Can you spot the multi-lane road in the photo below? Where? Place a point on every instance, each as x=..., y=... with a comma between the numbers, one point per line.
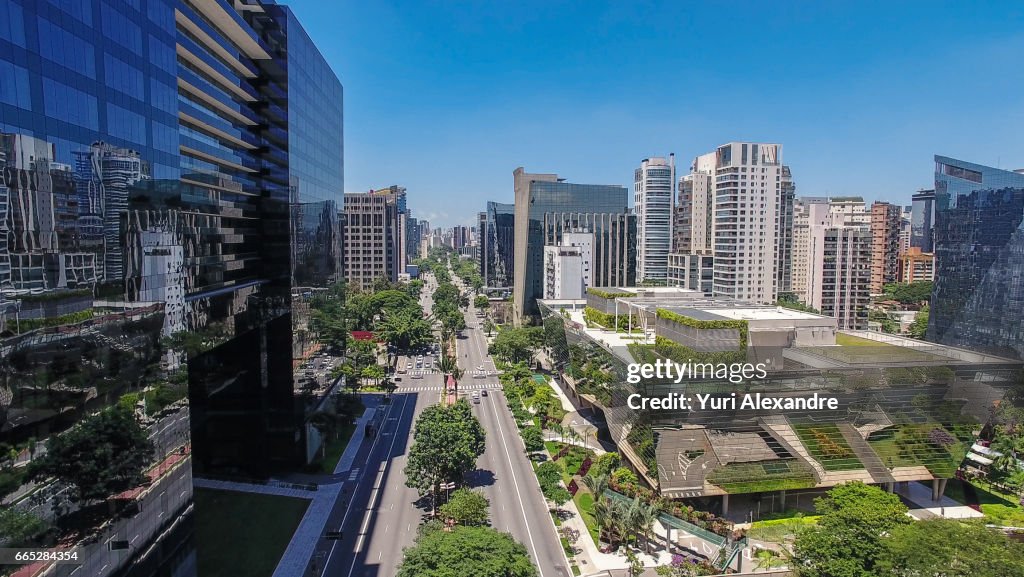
x=379, y=516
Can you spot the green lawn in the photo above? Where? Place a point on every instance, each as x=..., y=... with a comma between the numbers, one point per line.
x=332, y=454
x=846, y=340
x=780, y=530
x=827, y=445
x=999, y=509
x=585, y=503
x=243, y=533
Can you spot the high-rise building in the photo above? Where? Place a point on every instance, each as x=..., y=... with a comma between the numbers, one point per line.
x=179, y=166
x=978, y=298
x=691, y=262
x=922, y=220
x=916, y=266
x=497, y=242
x=905, y=217
x=748, y=194
x=784, y=231
x=563, y=272
x=885, y=244
x=372, y=238
x=653, y=196
x=832, y=258
x=547, y=207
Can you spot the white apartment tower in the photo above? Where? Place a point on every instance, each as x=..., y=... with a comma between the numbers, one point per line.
x=748, y=186
x=653, y=196
x=832, y=258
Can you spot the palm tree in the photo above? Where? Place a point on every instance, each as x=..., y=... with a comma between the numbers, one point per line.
x=1007, y=446
x=645, y=515
x=603, y=514
x=597, y=485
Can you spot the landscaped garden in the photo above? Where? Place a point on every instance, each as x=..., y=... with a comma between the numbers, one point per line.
x=763, y=476
x=782, y=529
x=827, y=445
x=924, y=444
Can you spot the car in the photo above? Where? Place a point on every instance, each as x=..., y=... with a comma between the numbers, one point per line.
x=480, y=367
x=483, y=393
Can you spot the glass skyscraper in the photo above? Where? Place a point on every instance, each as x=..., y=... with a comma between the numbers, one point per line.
x=497, y=239
x=177, y=165
x=545, y=208
x=978, y=298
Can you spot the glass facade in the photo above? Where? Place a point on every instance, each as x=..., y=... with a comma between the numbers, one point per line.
x=922, y=221
x=557, y=207
x=497, y=239
x=167, y=181
x=978, y=298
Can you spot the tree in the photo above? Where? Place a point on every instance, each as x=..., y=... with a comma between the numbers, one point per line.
x=950, y=547
x=466, y=552
x=466, y=507
x=919, y=328
x=790, y=301
x=488, y=326
x=446, y=444
x=548, y=473
x=533, y=439
x=19, y=528
x=102, y=455
x=596, y=483
x=847, y=542
x=1009, y=447
x=404, y=329
x=557, y=494
x=909, y=294
x=481, y=302
x=605, y=464
x=515, y=345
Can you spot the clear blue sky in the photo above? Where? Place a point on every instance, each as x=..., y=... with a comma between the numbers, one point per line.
x=447, y=98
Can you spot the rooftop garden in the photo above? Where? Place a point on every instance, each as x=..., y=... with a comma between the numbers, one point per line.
x=827, y=445
x=762, y=476
x=739, y=325
x=920, y=444
x=609, y=293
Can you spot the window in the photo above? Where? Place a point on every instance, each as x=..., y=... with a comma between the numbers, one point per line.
x=120, y=29
x=162, y=55
x=71, y=105
x=14, y=86
x=80, y=10
x=64, y=48
x=12, y=24
x=124, y=77
x=126, y=124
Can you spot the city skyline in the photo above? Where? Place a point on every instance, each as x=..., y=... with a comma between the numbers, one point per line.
x=471, y=96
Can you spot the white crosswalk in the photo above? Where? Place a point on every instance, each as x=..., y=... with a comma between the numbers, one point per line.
x=466, y=387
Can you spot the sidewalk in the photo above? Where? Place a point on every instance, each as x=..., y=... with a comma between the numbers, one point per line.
x=921, y=496
x=297, y=556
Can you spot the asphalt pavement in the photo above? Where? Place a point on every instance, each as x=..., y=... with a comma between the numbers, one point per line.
x=506, y=474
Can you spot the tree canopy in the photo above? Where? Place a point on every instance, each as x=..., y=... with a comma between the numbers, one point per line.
x=515, y=345
x=950, y=547
x=446, y=444
x=847, y=542
x=102, y=455
x=466, y=507
x=909, y=293
x=466, y=552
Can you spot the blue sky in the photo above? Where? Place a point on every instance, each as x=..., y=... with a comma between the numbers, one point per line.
x=447, y=98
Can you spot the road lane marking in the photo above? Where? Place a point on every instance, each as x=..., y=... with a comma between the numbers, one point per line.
x=515, y=483
x=369, y=509
x=348, y=509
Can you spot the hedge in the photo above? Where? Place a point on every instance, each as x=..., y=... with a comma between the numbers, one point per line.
x=741, y=326
x=682, y=353
x=609, y=295
x=592, y=315
x=25, y=325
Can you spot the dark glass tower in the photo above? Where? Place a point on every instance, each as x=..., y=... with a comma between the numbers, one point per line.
x=547, y=206
x=497, y=239
x=177, y=164
x=978, y=298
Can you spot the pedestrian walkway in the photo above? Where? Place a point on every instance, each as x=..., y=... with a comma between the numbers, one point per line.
x=467, y=387
x=921, y=495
